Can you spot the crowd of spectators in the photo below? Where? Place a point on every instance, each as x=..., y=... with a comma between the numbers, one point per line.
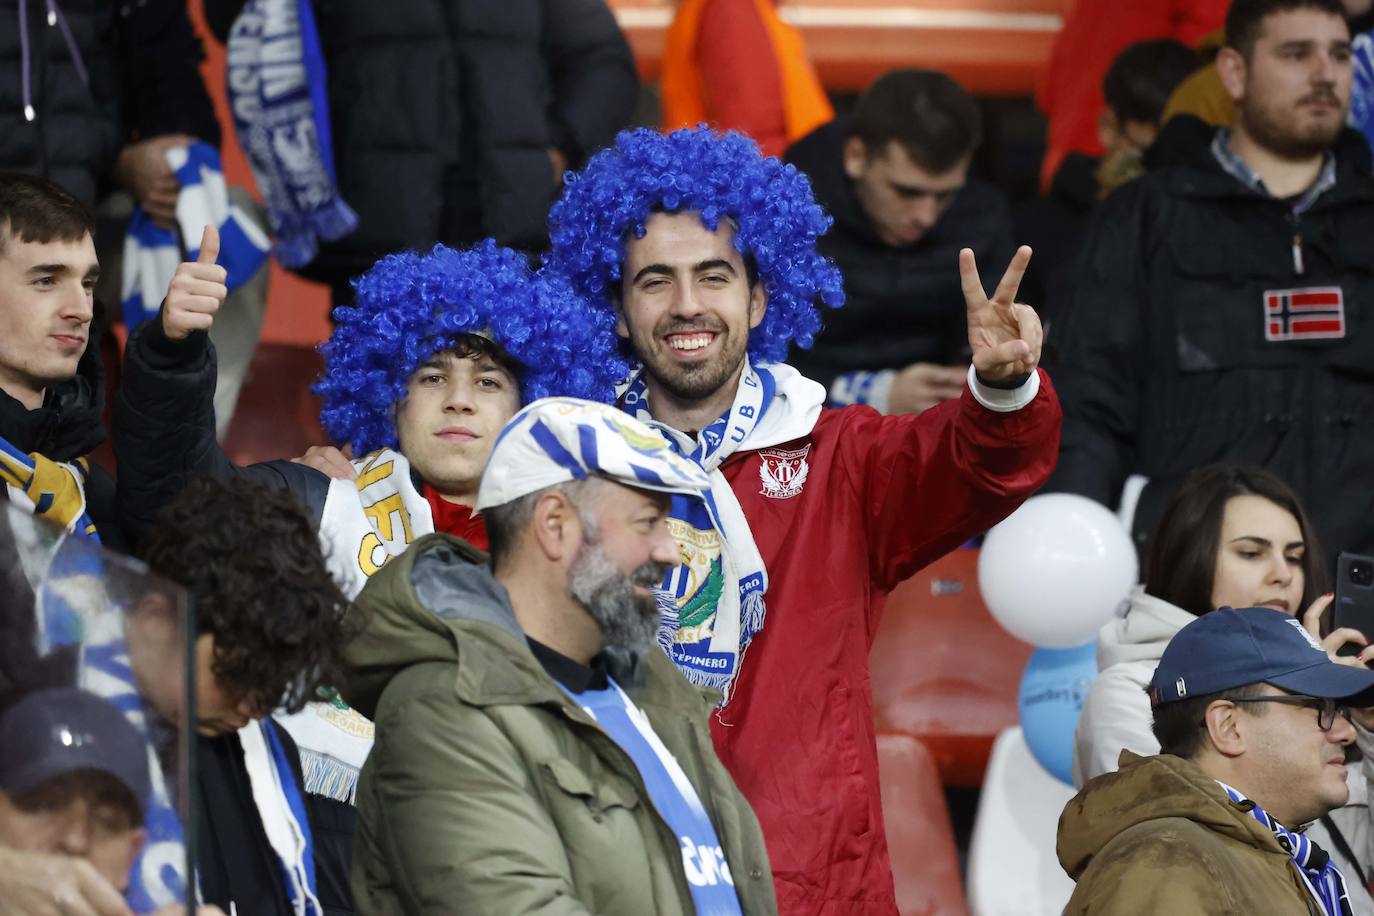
x=557, y=622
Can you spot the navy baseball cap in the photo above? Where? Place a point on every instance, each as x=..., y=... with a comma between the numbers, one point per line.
x=1231, y=648
x=50, y=733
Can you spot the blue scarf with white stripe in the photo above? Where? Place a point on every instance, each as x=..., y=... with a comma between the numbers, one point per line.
x=1324, y=880
x=277, y=93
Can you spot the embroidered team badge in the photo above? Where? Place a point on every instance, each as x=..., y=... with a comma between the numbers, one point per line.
x=1311, y=313
x=783, y=473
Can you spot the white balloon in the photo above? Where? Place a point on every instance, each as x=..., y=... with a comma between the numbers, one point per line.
x=1055, y=570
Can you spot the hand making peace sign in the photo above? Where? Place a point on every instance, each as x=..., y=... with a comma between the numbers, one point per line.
x=1004, y=335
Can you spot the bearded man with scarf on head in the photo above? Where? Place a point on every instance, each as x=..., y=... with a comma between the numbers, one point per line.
x=704, y=253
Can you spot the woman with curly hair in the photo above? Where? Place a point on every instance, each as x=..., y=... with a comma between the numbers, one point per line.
x=270, y=625
x=704, y=253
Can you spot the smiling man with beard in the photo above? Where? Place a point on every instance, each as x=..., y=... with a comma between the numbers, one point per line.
x=535, y=750
x=1222, y=310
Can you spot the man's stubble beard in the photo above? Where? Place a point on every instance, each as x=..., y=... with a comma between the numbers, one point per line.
x=690, y=383
x=628, y=621
x=1270, y=130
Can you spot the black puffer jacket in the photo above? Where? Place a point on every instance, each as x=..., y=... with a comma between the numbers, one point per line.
x=1167, y=359
x=902, y=305
x=140, y=59
x=443, y=111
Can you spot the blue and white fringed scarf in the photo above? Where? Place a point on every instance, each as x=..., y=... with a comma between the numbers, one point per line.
x=1324, y=880
x=713, y=605
x=277, y=85
x=152, y=253
x=281, y=808
x=73, y=609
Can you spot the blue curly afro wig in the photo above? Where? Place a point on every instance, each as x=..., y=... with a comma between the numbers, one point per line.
x=410, y=306
x=719, y=176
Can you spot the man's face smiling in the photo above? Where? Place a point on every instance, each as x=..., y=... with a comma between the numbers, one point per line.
x=453, y=410
x=46, y=304
x=687, y=307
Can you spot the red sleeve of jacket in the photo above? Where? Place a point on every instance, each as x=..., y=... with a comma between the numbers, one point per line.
x=932, y=481
x=740, y=75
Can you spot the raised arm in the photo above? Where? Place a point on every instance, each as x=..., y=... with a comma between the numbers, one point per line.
x=164, y=422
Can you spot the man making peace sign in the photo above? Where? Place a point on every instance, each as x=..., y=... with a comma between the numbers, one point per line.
x=705, y=253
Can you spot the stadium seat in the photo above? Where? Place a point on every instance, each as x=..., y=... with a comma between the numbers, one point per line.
x=925, y=862
x=1012, y=868
x=942, y=669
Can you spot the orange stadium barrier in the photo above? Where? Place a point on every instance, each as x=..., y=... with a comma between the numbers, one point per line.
x=944, y=671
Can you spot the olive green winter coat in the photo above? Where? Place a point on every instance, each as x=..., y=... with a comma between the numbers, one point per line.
x=1159, y=836
x=489, y=791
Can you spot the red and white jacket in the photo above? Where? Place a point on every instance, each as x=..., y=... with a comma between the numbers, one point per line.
x=881, y=498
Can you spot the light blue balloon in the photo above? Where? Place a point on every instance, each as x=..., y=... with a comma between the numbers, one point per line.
x=1053, y=689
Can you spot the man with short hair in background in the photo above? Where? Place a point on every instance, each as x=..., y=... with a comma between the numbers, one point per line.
x=1223, y=306
x=895, y=177
x=1253, y=722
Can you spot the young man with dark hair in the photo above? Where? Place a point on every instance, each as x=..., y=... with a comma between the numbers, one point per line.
x=895, y=177
x=1253, y=721
x=1220, y=310
x=51, y=384
x=270, y=627
x=536, y=751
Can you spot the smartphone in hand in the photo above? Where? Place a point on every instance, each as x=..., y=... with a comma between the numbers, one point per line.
x=1354, y=597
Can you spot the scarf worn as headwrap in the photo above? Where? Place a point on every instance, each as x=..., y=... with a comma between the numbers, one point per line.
x=1324, y=880
x=712, y=606
x=277, y=89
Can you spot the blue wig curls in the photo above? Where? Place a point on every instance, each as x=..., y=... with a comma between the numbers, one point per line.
x=410, y=306
x=720, y=176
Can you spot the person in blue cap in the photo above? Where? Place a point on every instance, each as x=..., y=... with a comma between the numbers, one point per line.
x=536, y=751
x=1253, y=719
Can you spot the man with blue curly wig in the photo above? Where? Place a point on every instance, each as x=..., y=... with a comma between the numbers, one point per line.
x=439, y=351
x=704, y=253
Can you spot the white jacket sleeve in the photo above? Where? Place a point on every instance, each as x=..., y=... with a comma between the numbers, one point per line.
x=1115, y=716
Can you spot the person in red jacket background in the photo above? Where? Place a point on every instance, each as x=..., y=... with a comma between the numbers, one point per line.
x=737, y=65
x=1094, y=33
x=705, y=253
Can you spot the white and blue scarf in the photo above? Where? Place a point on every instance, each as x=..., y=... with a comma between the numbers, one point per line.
x=713, y=604
x=152, y=253
x=281, y=808
x=277, y=94
x=1324, y=880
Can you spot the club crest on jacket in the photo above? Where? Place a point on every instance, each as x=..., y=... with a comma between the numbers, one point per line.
x=783, y=473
